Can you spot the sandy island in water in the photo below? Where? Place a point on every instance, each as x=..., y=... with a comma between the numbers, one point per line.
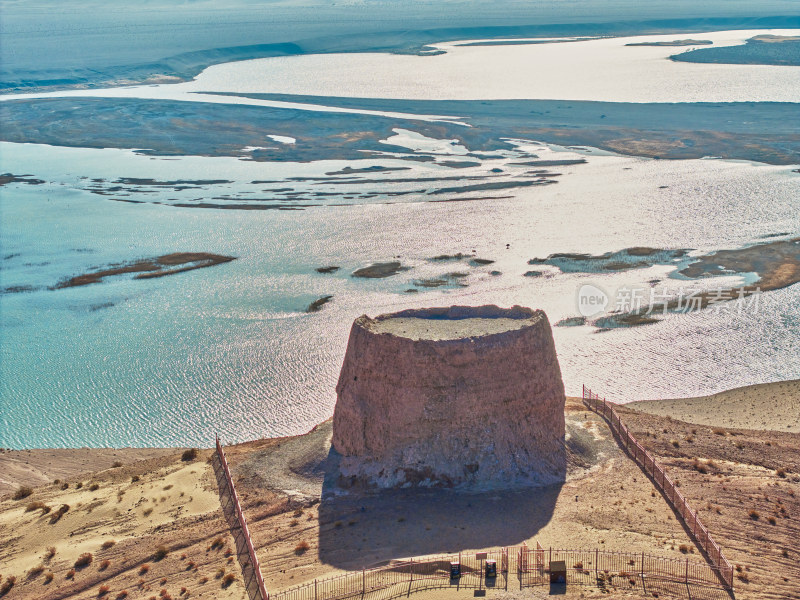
x=160, y=266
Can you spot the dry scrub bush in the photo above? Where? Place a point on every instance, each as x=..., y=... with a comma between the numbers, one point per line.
x=218, y=543
x=144, y=569
x=301, y=548
x=35, y=571
x=103, y=590
x=84, y=560
x=189, y=454
x=70, y=574
x=108, y=544
x=228, y=579
x=160, y=553
x=6, y=586
x=37, y=505
x=104, y=565
x=56, y=517
x=49, y=577
x=22, y=492
x=94, y=487
x=753, y=514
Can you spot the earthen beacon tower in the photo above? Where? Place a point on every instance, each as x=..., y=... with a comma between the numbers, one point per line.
x=451, y=396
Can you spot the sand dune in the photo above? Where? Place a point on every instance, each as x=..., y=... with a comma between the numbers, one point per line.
x=764, y=407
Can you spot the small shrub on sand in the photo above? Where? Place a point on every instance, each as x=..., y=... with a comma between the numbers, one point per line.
x=48, y=577
x=79, y=485
x=7, y=584
x=684, y=548
x=104, y=565
x=65, y=486
x=719, y=431
x=56, y=516
x=771, y=520
x=135, y=478
x=160, y=553
x=781, y=473
x=103, y=590
x=84, y=560
x=37, y=505
x=162, y=581
x=94, y=487
x=294, y=523
x=578, y=565
x=147, y=512
x=228, y=579
x=22, y=492
x=117, y=464
x=122, y=594
x=144, y=569
x=203, y=580
x=190, y=454
x=298, y=513
x=218, y=543
x=51, y=552
x=35, y=571
x=108, y=544
x=220, y=573
x=301, y=548
x=753, y=514
x=675, y=443
x=70, y=574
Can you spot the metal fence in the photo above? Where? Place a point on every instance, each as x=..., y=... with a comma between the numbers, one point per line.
x=251, y=570
x=663, y=482
x=521, y=566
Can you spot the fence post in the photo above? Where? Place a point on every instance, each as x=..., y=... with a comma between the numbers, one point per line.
x=596, y=562
x=411, y=570
x=687, y=570
x=363, y=581
x=315, y=589
x=642, y=565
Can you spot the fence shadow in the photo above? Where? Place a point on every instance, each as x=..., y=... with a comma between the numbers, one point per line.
x=419, y=521
x=228, y=510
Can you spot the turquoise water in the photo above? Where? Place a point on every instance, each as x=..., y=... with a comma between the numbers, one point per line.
x=230, y=350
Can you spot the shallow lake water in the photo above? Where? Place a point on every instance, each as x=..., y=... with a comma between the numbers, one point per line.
x=229, y=349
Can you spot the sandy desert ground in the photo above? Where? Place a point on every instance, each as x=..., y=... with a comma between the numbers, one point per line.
x=163, y=513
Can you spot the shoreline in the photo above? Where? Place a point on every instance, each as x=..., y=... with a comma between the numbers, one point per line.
x=775, y=403
x=185, y=66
